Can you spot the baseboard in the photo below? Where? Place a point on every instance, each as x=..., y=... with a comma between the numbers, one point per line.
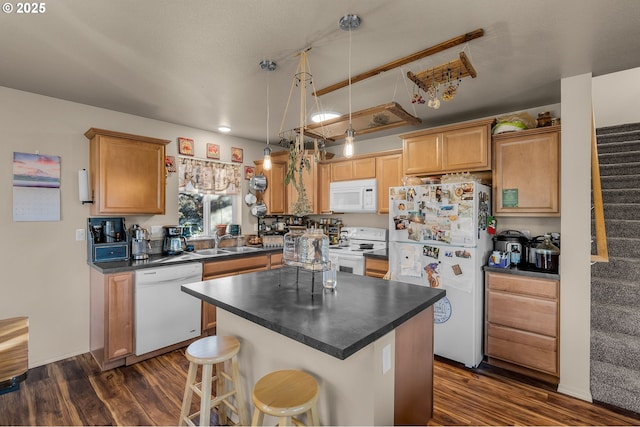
x=574, y=392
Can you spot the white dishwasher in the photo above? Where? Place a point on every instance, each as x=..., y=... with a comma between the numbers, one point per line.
x=164, y=315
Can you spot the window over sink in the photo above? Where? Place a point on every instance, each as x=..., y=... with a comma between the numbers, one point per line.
x=208, y=194
x=203, y=212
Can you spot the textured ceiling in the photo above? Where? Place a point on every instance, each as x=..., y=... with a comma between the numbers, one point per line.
x=196, y=62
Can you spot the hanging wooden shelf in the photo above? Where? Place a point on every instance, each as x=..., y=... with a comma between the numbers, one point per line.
x=451, y=71
x=374, y=119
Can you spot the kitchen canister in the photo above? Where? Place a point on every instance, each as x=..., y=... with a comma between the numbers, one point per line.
x=290, y=253
x=313, y=249
x=547, y=255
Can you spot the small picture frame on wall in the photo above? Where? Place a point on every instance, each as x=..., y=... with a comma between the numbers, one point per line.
x=213, y=151
x=236, y=155
x=249, y=172
x=170, y=164
x=185, y=146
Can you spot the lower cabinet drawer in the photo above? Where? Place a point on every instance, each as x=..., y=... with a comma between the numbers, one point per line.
x=375, y=267
x=535, y=287
x=238, y=265
x=276, y=260
x=523, y=312
x=523, y=348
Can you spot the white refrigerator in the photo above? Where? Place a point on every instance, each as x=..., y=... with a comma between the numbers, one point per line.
x=438, y=237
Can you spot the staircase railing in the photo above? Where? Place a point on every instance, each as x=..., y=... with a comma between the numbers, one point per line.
x=602, y=253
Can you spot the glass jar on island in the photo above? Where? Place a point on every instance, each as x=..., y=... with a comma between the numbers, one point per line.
x=313, y=249
x=290, y=253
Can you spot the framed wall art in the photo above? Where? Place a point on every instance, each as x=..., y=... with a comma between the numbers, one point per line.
x=185, y=146
x=249, y=172
x=213, y=151
x=170, y=164
x=236, y=155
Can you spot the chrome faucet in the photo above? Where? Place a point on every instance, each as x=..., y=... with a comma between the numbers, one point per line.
x=218, y=238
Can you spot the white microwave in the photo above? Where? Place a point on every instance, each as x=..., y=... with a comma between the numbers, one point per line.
x=354, y=196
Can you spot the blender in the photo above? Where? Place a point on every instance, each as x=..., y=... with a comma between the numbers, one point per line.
x=139, y=243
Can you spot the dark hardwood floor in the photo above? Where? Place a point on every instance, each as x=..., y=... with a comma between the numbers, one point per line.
x=74, y=392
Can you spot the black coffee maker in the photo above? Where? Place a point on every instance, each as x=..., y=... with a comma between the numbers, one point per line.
x=174, y=242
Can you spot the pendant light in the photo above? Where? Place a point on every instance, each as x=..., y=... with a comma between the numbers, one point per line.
x=348, y=23
x=267, y=65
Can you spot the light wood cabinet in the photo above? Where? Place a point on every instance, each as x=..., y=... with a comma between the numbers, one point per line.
x=275, y=197
x=111, y=329
x=388, y=174
x=375, y=267
x=456, y=148
x=225, y=268
x=522, y=325
x=127, y=173
x=324, y=181
x=275, y=260
x=526, y=173
x=347, y=170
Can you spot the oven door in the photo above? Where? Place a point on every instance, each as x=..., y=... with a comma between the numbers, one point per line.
x=349, y=263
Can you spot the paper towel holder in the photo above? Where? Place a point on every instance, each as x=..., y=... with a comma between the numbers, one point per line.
x=83, y=187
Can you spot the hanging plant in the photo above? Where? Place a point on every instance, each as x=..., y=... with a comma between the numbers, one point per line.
x=297, y=164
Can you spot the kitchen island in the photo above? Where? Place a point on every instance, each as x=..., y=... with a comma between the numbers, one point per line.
x=369, y=343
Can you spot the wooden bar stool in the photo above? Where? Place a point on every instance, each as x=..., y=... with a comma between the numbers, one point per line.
x=285, y=394
x=209, y=352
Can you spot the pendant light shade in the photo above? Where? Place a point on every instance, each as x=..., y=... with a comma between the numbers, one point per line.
x=266, y=164
x=348, y=23
x=267, y=65
x=348, y=143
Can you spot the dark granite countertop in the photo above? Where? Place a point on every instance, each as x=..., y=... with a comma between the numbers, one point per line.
x=524, y=271
x=165, y=260
x=339, y=323
x=380, y=253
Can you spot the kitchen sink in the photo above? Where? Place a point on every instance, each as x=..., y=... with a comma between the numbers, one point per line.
x=237, y=249
x=211, y=252
x=183, y=257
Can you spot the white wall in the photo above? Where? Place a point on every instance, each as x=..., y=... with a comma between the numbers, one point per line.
x=575, y=271
x=45, y=274
x=615, y=98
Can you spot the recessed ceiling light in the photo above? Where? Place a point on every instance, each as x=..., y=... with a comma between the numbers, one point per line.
x=224, y=129
x=323, y=116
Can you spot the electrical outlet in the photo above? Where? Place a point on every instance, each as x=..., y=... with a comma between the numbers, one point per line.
x=80, y=234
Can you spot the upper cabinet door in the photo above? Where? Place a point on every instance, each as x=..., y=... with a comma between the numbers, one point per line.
x=274, y=196
x=127, y=173
x=526, y=173
x=389, y=174
x=466, y=149
x=364, y=168
x=347, y=170
x=455, y=148
x=342, y=171
x=324, y=178
x=422, y=154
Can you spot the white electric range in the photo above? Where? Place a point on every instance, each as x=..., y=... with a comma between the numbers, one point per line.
x=350, y=257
